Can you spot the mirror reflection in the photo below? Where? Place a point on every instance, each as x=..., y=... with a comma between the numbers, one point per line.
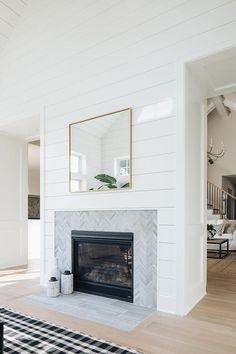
x=100, y=153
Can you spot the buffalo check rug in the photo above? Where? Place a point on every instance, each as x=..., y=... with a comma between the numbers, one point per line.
x=24, y=334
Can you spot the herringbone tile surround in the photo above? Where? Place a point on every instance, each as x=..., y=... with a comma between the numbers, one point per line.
x=143, y=223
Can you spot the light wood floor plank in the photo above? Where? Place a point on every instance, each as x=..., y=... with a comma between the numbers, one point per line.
x=210, y=328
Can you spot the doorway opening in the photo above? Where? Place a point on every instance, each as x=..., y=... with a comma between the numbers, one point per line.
x=34, y=201
x=221, y=195
x=20, y=147
x=210, y=212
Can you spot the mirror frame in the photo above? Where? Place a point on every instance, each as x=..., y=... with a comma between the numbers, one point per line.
x=130, y=150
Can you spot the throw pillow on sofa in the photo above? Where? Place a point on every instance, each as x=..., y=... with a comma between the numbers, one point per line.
x=230, y=227
x=219, y=229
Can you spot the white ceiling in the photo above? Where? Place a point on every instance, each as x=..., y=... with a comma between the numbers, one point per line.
x=216, y=74
x=27, y=129
x=230, y=101
x=10, y=12
x=223, y=104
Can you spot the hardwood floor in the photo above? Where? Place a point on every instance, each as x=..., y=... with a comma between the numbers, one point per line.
x=226, y=265
x=209, y=328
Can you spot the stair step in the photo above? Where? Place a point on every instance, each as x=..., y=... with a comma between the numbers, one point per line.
x=216, y=211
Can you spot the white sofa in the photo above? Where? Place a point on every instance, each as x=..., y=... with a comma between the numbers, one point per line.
x=228, y=231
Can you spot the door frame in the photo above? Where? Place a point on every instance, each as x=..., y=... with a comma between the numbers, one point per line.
x=42, y=195
x=183, y=306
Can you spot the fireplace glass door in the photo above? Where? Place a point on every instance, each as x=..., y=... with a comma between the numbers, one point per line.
x=103, y=263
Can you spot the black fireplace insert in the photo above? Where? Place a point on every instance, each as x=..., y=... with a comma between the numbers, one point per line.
x=102, y=263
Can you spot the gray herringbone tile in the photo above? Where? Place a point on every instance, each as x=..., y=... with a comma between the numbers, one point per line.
x=143, y=223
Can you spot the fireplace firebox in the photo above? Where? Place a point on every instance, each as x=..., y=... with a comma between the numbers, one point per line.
x=102, y=263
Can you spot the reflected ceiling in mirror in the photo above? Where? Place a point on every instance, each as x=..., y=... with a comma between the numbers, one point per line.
x=100, y=152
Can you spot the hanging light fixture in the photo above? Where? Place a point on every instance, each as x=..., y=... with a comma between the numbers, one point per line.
x=213, y=156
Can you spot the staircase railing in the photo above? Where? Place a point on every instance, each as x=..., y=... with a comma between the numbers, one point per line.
x=221, y=202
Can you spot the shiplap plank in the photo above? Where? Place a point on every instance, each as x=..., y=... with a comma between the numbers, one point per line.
x=158, y=181
x=201, y=11
x=68, y=18
x=10, y=11
x=157, y=146
x=153, y=164
x=49, y=244
x=49, y=215
x=9, y=16
x=83, y=40
x=49, y=255
x=125, y=87
x=180, y=17
x=5, y=29
x=167, y=269
x=49, y=228
x=167, y=216
x=164, y=107
x=154, y=129
x=89, y=83
x=55, y=163
x=167, y=233
x=131, y=199
x=57, y=136
x=167, y=287
x=167, y=251
x=57, y=149
x=16, y=5
x=57, y=176
x=88, y=108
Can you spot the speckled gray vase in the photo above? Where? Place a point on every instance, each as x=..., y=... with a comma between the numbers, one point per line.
x=67, y=284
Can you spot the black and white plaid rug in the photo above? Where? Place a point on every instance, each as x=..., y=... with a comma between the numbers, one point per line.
x=24, y=334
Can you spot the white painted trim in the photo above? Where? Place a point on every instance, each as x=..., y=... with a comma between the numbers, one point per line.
x=205, y=197
x=221, y=48
x=42, y=195
x=33, y=138
x=103, y=209
x=183, y=308
x=180, y=191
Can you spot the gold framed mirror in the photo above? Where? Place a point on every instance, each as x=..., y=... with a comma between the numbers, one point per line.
x=100, y=150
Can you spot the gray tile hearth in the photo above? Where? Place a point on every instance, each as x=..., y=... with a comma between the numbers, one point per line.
x=110, y=312
x=143, y=224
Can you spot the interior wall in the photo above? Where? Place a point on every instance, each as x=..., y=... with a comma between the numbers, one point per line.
x=222, y=129
x=33, y=169
x=99, y=57
x=33, y=189
x=34, y=182
x=13, y=202
x=195, y=188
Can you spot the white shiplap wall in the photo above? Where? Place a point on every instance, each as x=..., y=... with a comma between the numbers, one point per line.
x=88, y=57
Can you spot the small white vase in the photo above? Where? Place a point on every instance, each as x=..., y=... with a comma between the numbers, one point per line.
x=53, y=288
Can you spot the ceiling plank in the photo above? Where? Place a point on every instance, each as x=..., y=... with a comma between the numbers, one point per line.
x=221, y=109
x=10, y=11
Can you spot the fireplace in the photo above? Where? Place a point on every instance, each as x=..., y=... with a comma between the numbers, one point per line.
x=102, y=263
